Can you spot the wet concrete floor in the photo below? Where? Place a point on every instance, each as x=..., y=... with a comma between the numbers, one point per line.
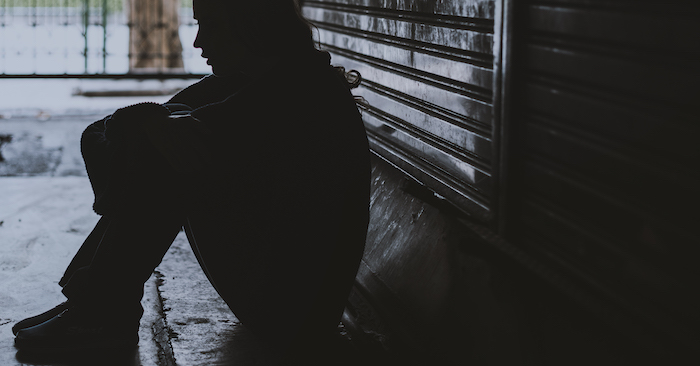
x=45, y=214
x=44, y=221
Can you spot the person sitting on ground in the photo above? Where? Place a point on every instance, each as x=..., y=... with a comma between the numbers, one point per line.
x=266, y=165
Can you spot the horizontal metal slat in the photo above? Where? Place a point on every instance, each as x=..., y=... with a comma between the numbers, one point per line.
x=567, y=238
x=473, y=143
x=595, y=260
x=404, y=80
x=460, y=120
x=656, y=79
x=484, y=9
x=626, y=176
x=625, y=224
x=657, y=26
x=474, y=43
x=410, y=55
x=420, y=146
x=663, y=134
x=454, y=191
x=476, y=24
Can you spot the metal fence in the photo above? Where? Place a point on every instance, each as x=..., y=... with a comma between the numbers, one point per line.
x=77, y=37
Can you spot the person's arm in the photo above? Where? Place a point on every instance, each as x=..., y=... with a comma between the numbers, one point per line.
x=126, y=123
x=183, y=140
x=180, y=138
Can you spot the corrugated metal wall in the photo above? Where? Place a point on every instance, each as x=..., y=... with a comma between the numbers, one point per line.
x=565, y=127
x=428, y=70
x=604, y=155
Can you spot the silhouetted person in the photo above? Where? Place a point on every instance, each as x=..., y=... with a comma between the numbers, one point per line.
x=265, y=164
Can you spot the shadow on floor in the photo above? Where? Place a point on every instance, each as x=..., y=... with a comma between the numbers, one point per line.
x=123, y=357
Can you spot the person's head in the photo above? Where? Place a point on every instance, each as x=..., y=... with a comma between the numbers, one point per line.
x=249, y=35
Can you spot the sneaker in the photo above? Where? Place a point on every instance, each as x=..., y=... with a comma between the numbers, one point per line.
x=72, y=331
x=38, y=319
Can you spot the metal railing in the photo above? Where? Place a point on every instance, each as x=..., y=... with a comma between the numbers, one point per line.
x=57, y=38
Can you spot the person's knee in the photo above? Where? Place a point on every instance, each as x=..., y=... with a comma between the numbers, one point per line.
x=93, y=135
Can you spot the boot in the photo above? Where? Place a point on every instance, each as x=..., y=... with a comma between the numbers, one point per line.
x=79, y=329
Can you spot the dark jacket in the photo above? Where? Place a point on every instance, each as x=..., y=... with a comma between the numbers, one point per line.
x=278, y=215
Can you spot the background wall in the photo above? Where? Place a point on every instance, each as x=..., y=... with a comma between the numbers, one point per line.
x=534, y=175
x=428, y=79
x=604, y=157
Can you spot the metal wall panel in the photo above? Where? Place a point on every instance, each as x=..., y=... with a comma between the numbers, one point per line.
x=428, y=76
x=604, y=154
x=567, y=128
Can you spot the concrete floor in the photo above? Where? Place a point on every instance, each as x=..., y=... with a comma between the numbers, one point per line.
x=44, y=221
x=45, y=214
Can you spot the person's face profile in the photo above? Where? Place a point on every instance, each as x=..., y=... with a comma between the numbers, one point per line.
x=220, y=41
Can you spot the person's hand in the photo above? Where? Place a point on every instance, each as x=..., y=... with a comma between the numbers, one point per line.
x=177, y=108
x=130, y=121
x=184, y=141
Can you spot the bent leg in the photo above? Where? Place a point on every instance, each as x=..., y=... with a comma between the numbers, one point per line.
x=103, y=164
x=87, y=251
x=132, y=246
x=98, y=155
x=284, y=263
x=137, y=191
x=99, y=158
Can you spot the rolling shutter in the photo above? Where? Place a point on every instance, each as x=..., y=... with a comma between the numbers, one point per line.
x=604, y=155
x=428, y=76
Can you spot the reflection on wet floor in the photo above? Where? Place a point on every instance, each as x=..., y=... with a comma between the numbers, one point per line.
x=128, y=357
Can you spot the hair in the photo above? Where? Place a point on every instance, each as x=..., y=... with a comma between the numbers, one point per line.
x=274, y=27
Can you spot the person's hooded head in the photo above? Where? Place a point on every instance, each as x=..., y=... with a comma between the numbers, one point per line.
x=249, y=35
